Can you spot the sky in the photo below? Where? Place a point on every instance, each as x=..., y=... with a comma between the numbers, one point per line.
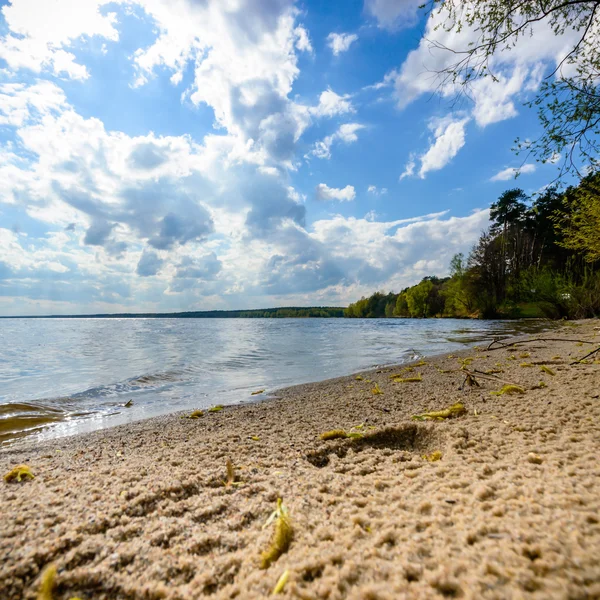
x=172, y=155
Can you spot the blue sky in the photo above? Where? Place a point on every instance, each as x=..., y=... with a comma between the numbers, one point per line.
x=160, y=155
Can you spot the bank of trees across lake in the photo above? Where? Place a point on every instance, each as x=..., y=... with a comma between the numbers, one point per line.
x=539, y=258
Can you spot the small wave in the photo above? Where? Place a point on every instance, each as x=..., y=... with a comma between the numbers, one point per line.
x=19, y=419
x=156, y=378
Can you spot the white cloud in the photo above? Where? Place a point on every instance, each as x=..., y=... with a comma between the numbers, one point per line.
x=149, y=265
x=121, y=197
x=332, y=104
x=517, y=72
x=346, y=194
x=389, y=255
x=373, y=189
x=409, y=168
x=554, y=158
x=340, y=42
x=245, y=62
x=394, y=14
x=19, y=101
x=512, y=172
x=244, y=54
x=302, y=40
x=449, y=138
x=346, y=134
x=40, y=31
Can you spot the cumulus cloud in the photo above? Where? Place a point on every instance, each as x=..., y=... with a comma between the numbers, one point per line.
x=204, y=267
x=149, y=265
x=340, y=42
x=244, y=56
x=394, y=14
x=346, y=194
x=389, y=254
x=332, y=104
x=302, y=39
x=147, y=155
x=345, y=134
x=40, y=32
x=512, y=172
x=449, y=138
x=21, y=102
x=517, y=72
x=245, y=62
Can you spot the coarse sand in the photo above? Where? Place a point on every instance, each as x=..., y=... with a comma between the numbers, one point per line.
x=510, y=510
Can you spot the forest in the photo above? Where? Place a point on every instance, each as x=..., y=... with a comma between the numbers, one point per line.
x=287, y=312
x=539, y=258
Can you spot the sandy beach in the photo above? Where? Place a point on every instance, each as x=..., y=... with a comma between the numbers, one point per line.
x=501, y=502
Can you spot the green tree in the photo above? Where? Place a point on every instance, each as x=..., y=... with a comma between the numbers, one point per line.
x=509, y=209
x=457, y=291
x=401, y=309
x=579, y=220
x=417, y=299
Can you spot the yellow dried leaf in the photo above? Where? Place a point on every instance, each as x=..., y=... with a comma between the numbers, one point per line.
x=334, y=434
x=433, y=457
x=47, y=583
x=257, y=392
x=359, y=378
x=216, y=408
x=230, y=472
x=278, y=589
x=282, y=537
x=18, y=474
x=377, y=390
x=439, y=415
x=509, y=389
x=547, y=370
x=196, y=414
x=526, y=364
x=407, y=379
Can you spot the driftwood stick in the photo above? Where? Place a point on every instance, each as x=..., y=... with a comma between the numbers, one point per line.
x=491, y=376
x=497, y=341
x=586, y=356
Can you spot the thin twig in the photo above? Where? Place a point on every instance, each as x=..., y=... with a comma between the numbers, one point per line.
x=497, y=341
x=586, y=356
x=493, y=377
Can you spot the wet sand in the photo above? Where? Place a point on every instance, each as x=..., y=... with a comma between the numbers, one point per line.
x=510, y=510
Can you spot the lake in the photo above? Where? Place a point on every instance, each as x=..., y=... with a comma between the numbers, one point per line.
x=64, y=376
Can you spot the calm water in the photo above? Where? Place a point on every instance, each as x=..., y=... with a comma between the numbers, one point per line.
x=65, y=376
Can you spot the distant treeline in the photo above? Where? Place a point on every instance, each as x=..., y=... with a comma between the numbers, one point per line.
x=539, y=258
x=261, y=313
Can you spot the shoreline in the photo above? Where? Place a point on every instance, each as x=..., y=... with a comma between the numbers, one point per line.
x=42, y=433
x=140, y=511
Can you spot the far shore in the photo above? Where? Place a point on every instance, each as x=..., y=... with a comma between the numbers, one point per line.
x=502, y=501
